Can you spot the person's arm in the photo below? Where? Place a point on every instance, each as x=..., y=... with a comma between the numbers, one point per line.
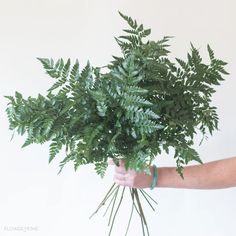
x=211, y=175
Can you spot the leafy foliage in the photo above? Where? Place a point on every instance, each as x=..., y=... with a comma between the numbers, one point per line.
x=142, y=105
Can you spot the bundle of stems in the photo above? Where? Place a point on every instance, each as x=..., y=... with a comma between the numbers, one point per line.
x=114, y=198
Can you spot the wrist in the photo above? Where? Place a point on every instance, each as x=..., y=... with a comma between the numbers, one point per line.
x=165, y=174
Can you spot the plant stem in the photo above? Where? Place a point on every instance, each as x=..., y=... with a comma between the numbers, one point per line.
x=144, y=192
x=141, y=210
x=147, y=201
x=109, y=204
x=131, y=214
x=103, y=201
x=117, y=209
x=132, y=194
x=113, y=205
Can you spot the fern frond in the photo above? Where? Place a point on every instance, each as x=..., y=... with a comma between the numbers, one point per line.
x=100, y=168
x=28, y=141
x=74, y=74
x=210, y=52
x=52, y=70
x=54, y=149
x=132, y=23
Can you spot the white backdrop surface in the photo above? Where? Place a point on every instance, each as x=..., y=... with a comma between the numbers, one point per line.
x=31, y=193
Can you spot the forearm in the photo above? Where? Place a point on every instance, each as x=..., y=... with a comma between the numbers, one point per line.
x=212, y=175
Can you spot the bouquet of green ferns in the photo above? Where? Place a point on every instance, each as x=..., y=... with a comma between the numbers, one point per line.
x=134, y=108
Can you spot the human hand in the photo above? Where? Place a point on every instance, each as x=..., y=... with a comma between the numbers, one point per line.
x=131, y=178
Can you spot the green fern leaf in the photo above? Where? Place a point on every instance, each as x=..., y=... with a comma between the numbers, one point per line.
x=54, y=148
x=100, y=168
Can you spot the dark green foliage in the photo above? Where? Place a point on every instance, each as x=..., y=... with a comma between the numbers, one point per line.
x=142, y=105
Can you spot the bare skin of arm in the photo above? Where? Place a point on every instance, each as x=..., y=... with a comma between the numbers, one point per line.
x=212, y=175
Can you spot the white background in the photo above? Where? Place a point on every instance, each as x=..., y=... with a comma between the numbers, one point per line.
x=31, y=192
